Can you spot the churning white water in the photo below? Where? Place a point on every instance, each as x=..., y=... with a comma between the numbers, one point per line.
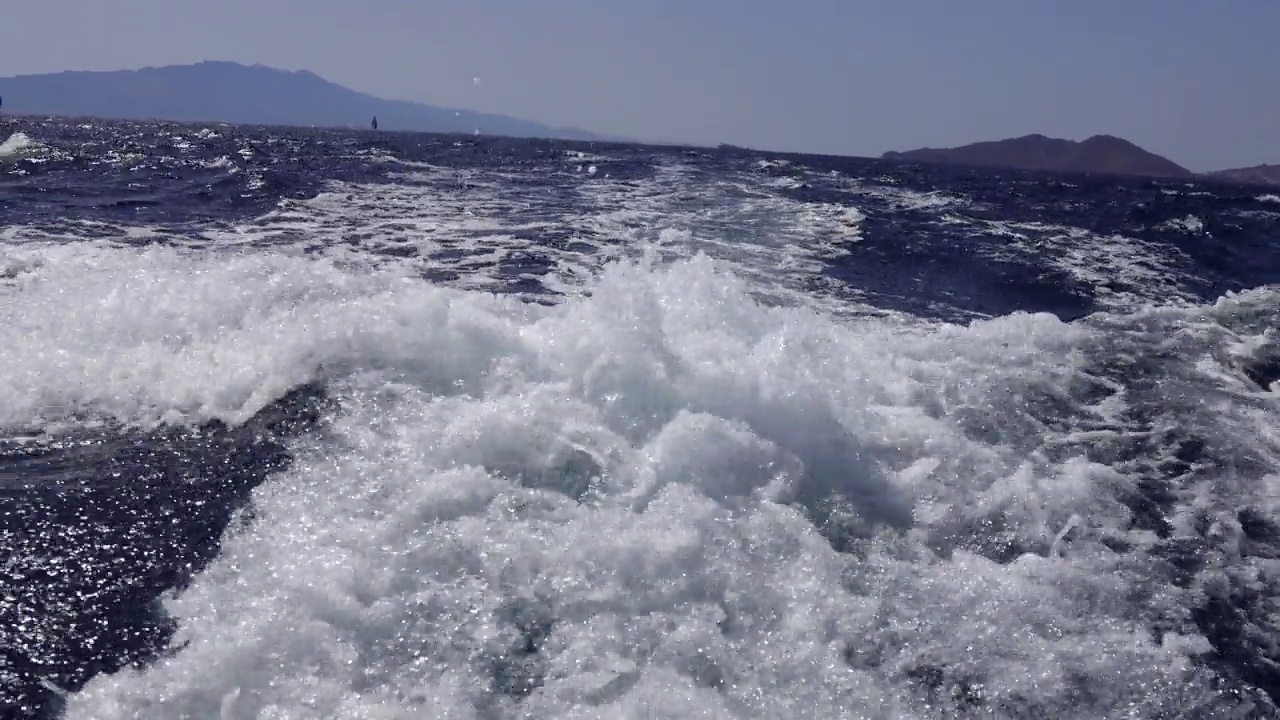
x=702, y=482
x=657, y=498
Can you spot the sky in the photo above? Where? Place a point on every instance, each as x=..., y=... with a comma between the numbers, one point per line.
x=1195, y=81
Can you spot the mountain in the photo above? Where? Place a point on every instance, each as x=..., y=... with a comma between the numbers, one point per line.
x=231, y=92
x=1255, y=175
x=1098, y=154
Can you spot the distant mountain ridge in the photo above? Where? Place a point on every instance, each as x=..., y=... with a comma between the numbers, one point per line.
x=219, y=91
x=1097, y=154
x=1255, y=175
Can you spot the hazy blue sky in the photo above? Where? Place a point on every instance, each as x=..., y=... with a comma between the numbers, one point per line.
x=1195, y=80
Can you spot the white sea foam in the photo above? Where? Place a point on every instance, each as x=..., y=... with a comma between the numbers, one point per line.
x=780, y=243
x=169, y=335
x=692, y=487
x=1125, y=271
x=1190, y=223
x=17, y=144
x=470, y=229
x=489, y=229
x=610, y=507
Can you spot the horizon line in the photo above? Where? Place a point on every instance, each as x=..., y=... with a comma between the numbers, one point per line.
x=604, y=137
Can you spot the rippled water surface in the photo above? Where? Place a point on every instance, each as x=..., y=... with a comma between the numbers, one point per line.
x=305, y=423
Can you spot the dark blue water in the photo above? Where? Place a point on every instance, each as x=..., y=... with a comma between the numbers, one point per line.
x=908, y=259
x=99, y=517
